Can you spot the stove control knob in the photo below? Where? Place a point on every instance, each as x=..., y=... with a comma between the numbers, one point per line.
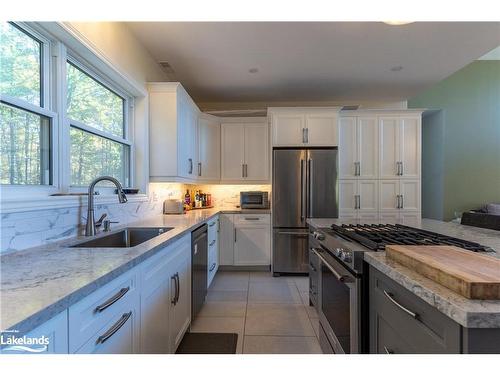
x=319, y=236
x=346, y=256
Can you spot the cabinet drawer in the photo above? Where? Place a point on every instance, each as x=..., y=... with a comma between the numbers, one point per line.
x=252, y=219
x=100, y=309
x=212, y=229
x=426, y=328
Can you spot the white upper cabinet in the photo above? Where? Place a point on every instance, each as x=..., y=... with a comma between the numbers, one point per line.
x=245, y=151
x=389, y=146
x=400, y=146
x=358, y=197
x=358, y=147
x=209, y=137
x=173, y=133
x=304, y=126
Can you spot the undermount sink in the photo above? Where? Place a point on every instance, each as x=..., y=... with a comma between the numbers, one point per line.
x=128, y=237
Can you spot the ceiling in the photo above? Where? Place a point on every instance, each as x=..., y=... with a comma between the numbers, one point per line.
x=313, y=61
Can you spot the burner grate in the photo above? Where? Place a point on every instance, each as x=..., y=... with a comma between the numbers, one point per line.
x=377, y=236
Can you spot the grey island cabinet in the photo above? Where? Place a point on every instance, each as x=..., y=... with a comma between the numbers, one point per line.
x=410, y=314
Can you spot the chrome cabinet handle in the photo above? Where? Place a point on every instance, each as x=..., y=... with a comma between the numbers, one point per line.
x=212, y=267
x=199, y=169
x=252, y=218
x=357, y=202
x=402, y=170
x=174, y=280
x=307, y=135
x=242, y=170
x=190, y=166
x=114, y=328
x=304, y=135
x=234, y=234
x=311, y=198
x=402, y=201
x=398, y=169
x=212, y=224
x=212, y=243
x=409, y=312
x=357, y=168
x=178, y=287
x=397, y=202
x=112, y=300
x=387, y=351
x=246, y=170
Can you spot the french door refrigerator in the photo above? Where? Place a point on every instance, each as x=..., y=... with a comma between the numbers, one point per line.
x=304, y=186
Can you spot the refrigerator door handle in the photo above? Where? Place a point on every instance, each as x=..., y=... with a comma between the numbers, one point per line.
x=310, y=173
x=302, y=190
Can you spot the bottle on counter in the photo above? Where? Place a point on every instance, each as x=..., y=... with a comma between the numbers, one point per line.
x=187, y=199
x=209, y=200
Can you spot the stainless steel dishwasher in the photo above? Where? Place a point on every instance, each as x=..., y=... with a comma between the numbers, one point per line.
x=199, y=252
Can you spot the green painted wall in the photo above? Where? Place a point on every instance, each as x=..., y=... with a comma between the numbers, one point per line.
x=469, y=151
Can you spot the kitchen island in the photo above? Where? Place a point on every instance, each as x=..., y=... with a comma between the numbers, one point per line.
x=475, y=324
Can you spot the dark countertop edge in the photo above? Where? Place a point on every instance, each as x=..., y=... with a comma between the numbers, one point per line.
x=34, y=320
x=470, y=319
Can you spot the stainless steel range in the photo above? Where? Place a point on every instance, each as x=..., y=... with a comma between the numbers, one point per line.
x=340, y=289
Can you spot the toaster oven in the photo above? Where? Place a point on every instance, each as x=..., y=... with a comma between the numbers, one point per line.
x=254, y=199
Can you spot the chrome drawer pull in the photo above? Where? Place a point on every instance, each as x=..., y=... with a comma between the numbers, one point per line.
x=173, y=279
x=387, y=351
x=212, y=243
x=212, y=224
x=252, y=218
x=409, y=312
x=177, y=287
x=112, y=300
x=213, y=267
x=114, y=328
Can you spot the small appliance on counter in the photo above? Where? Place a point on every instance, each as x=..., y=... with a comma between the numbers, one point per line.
x=254, y=199
x=173, y=207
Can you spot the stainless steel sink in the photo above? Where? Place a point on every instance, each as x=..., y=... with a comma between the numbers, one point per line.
x=128, y=237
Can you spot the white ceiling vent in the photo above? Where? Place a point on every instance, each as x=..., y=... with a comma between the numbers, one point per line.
x=350, y=107
x=167, y=68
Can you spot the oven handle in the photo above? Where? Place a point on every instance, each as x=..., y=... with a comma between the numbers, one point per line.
x=342, y=278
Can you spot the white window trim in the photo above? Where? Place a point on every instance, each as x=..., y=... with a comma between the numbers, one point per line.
x=57, y=38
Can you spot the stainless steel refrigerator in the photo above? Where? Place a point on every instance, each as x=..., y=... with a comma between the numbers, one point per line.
x=305, y=185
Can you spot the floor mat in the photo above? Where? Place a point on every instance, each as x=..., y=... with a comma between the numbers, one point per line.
x=208, y=343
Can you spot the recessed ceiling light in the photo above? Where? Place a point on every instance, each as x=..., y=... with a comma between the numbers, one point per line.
x=253, y=70
x=396, y=68
x=397, y=23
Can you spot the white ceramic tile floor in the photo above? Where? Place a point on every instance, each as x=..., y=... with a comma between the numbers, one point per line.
x=271, y=315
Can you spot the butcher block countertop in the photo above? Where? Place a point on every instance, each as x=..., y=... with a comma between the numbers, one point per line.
x=466, y=312
x=472, y=275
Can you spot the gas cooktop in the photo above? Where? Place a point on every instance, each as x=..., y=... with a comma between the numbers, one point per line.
x=376, y=236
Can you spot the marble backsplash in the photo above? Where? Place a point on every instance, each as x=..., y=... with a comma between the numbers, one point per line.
x=21, y=230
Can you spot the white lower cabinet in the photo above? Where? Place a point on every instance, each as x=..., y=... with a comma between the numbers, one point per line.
x=213, y=248
x=245, y=239
x=107, y=321
x=399, y=195
x=358, y=199
x=166, y=298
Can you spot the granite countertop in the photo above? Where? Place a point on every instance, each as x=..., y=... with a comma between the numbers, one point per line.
x=468, y=313
x=38, y=283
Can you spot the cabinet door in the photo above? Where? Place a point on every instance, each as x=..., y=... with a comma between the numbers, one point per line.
x=156, y=297
x=368, y=195
x=410, y=218
x=233, y=151
x=288, y=129
x=410, y=146
x=347, y=147
x=367, y=137
x=389, y=146
x=185, y=162
x=410, y=192
x=389, y=217
x=226, y=243
x=252, y=246
x=209, y=149
x=321, y=129
x=388, y=192
x=347, y=192
x=256, y=152
x=181, y=311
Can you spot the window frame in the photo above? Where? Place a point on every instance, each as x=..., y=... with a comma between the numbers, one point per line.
x=54, y=56
x=127, y=139
x=46, y=109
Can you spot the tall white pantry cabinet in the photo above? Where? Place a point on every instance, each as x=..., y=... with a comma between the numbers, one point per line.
x=380, y=165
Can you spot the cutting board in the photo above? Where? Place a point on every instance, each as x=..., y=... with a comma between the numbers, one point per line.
x=473, y=275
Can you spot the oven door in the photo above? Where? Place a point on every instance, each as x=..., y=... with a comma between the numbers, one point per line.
x=339, y=296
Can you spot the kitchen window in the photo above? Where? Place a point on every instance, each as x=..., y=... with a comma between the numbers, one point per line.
x=97, y=116
x=66, y=117
x=25, y=120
